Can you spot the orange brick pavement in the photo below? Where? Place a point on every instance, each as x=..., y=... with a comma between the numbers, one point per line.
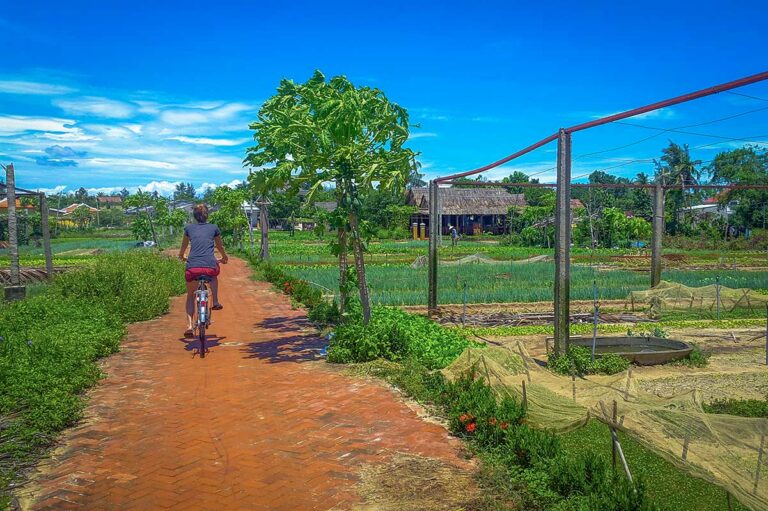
x=259, y=424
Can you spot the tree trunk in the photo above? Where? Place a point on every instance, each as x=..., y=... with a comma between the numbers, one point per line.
x=343, y=265
x=357, y=245
x=264, y=227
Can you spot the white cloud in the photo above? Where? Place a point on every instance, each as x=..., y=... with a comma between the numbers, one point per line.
x=135, y=128
x=97, y=107
x=17, y=124
x=130, y=162
x=421, y=135
x=188, y=115
x=661, y=114
x=209, y=141
x=33, y=88
x=52, y=191
x=212, y=186
x=161, y=187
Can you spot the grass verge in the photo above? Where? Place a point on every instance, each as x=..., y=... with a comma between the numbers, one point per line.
x=50, y=342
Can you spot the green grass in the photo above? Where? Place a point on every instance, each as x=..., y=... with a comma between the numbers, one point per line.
x=49, y=344
x=668, y=486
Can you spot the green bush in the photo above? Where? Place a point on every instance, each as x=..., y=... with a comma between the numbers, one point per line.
x=696, y=358
x=396, y=335
x=578, y=361
x=49, y=344
x=740, y=407
x=122, y=283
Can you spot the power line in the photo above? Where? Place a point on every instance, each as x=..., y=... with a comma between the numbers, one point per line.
x=673, y=130
x=745, y=95
x=666, y=130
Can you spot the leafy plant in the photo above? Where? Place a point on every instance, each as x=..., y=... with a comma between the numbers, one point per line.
x=396, y=335
x=578, y=360
x=696, y=358
x=740, y=407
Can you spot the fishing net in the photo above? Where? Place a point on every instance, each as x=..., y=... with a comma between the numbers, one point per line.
x=722, y=449
x=670, y=295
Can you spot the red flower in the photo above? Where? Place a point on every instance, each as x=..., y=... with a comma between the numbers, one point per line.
x=471, y=427
x=504, y=425
x=492, y=421
x=465, y=417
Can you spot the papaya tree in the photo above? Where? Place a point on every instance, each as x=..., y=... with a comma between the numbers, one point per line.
x=331, y=132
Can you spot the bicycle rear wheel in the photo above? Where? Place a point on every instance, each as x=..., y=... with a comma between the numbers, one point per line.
x=201, y=336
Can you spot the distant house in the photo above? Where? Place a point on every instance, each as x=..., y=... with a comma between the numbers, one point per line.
x=327, y=206
x=19, y=205
x=72, y=207
x=64, y=216
x=710, y=209
x=107, y=201
x=470, y=210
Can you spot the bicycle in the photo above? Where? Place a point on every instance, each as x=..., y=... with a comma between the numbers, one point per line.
x=202, y=318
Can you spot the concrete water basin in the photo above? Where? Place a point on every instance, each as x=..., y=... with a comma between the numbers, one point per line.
x=638, y=350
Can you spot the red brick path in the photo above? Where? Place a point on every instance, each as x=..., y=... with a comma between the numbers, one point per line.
x=258, y=424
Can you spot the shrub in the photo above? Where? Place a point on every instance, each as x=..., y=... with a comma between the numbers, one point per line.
x=578, y=360
x=121, y=283
x=395, y=335
x=696, y=358
x=49, y=344
x=740, y=407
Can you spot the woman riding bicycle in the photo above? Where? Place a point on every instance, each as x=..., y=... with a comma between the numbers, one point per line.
x=202, y=237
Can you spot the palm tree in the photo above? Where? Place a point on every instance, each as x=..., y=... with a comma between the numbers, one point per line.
x=677, y=168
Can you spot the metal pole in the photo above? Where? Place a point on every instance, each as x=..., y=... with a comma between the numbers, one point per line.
x=433, y=236
x=46, y=236
x=13, y=239
x=563, y=242
x=658, y=233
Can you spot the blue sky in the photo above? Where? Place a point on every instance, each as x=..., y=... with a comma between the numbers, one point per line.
x=146, y=94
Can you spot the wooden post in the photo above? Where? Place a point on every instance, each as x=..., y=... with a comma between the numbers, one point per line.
x=433, y=239
x=614, y=420
x=658, y=233
x=766, y=334
x=717, y=296
x=525, y=397
x=686, y=442
x=563, y=242
x=573, y=385
x=464, y=313
x=595, y=311
x=46, y=236
x=759, y=463
x=13, y=238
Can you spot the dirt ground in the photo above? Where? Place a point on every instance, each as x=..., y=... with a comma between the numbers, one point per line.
x=736, y=368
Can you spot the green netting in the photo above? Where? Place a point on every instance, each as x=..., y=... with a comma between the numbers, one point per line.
x=722, y=449
x=670, y=295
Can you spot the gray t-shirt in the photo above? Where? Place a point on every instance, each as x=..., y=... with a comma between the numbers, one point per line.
x=201, y=245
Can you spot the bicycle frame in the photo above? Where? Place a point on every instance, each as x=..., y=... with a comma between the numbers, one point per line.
x=203, y=309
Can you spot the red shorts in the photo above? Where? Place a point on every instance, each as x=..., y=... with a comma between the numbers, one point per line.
x=192, y=273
